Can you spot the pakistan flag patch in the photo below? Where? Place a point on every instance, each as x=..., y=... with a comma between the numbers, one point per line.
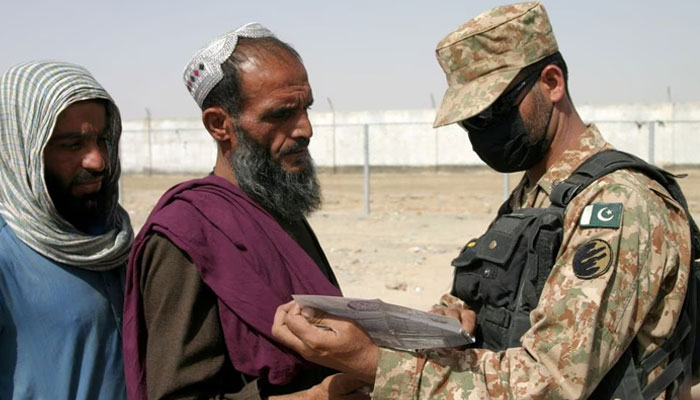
x=601, y=215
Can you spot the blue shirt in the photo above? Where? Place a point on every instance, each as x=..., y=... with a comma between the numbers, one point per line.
x=59, y=327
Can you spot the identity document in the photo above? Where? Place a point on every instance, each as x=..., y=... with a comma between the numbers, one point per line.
x=393, y=326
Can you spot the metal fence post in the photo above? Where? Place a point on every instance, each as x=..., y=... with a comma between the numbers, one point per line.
x=366, y=167
x=652, y=128
x=506, y=186
x=437, y=151
x=330, y=104
x=150, y=141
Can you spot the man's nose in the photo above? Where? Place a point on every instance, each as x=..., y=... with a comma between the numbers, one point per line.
x=94, y=159
x=303, y=127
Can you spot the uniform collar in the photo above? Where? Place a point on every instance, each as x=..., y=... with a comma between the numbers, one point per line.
x=590, y=142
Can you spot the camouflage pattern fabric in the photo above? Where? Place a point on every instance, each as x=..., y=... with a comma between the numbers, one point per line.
x=581, y=326
x=481, y=57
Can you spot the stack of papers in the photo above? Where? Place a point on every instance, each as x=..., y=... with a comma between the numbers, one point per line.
x=393, y=326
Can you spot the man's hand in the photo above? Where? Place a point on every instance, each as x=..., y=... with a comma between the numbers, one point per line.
x=335, y=342
x=465, y=316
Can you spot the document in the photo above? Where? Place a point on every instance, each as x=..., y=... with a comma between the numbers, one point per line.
x=391, y=325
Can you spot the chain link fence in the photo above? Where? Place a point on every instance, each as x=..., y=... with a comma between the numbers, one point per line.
x=184, y=147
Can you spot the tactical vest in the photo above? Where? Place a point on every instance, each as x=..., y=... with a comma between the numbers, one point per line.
x=502, y=273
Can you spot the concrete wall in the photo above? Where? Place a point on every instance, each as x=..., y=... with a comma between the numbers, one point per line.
x=406, y=138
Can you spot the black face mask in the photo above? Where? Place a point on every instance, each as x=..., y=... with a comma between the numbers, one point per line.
x=506, y=145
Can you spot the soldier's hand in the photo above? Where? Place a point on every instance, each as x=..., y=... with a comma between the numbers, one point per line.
x=335, y=342
x=464, y=315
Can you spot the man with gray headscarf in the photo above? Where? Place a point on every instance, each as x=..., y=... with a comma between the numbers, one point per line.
x=217, y=255
x=64, y=239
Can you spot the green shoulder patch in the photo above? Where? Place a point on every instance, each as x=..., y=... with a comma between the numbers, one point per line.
x=601, y=215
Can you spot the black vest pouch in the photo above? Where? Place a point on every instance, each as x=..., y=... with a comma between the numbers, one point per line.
x=500, y=275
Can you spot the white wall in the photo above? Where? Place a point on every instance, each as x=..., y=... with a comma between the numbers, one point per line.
x=406, y=138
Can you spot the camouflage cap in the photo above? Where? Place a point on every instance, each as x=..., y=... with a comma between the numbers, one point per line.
x=482, y=57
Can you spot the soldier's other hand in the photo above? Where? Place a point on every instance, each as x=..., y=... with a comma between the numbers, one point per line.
x=335, y=387
x=339, y=387
x=464, y=315
x=324, y=339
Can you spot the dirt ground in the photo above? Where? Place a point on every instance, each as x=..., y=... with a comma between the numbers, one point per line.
x=418, y=221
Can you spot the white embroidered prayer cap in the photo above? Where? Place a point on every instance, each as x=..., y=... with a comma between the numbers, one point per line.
x=203, y=72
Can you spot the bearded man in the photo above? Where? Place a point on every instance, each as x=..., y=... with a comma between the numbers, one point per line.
x=219, y=254
x=64, y=239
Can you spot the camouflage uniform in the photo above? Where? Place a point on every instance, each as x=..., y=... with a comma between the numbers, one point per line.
x=580, y=326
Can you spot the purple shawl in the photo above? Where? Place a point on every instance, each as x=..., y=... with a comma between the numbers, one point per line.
x=245, y=257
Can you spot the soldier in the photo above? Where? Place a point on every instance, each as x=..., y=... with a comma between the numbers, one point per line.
x=616, y=282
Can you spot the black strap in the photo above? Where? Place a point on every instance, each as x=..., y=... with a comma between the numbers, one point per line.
x=546, y=251
x=601, y=164
x=563, y=193
x=667, y=379
x=670, y=345
x=621, y=382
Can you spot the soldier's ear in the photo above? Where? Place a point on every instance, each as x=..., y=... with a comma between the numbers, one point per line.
x=219, y=124
x=552, y=83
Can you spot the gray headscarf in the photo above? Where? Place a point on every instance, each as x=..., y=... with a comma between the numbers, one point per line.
x=32, y=95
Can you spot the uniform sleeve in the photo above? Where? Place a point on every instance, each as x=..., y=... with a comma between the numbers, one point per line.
x=580, y=326
x=186, y=356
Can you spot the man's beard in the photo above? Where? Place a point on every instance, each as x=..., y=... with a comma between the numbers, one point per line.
x=89, y=213
x=286, y=195
x=541, y=116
